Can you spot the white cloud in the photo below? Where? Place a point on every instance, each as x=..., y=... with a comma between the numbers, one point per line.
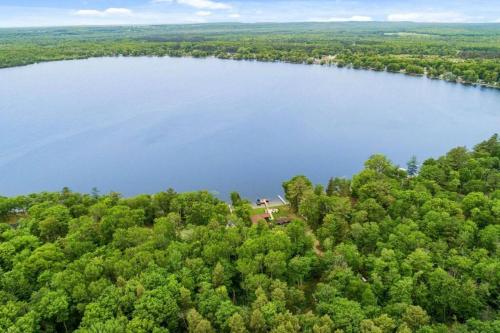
x=235, y=15
x=451, y=17
x=104, y=13
x=118, y=11
x=204, y=4
x=88, y=12
x=355, y=18
x=203, y=13
x=199, y=4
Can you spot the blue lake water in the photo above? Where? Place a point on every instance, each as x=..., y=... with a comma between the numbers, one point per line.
x=141, y=125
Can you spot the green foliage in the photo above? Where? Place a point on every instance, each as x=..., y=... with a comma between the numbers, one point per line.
x=388, y=251
x=296, y=189
x=467, y=53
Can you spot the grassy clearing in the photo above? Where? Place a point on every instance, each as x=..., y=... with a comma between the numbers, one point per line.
x=283, y=211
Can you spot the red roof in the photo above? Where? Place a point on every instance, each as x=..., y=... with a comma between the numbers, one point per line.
x=258, y=217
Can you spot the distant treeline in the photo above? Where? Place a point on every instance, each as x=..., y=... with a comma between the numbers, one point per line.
x=391, y=250
x=467, y=53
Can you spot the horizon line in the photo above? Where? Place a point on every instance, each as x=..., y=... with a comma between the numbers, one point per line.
x=245, y=23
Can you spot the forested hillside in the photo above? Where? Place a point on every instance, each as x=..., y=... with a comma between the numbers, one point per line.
x=390, y=250
x=467, y=53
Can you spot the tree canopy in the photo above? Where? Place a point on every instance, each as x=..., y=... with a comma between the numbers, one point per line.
x=389, y=250
x=465, y=53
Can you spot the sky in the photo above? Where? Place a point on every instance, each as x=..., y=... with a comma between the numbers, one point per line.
x=23, y=13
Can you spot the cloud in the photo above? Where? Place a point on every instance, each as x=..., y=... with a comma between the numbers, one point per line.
x=118, y=11
x=451, y=17
x=205, y=4
x=355, y=18
x=203, y=13
x=199, y=4
x=235, y=15
x=104, y=13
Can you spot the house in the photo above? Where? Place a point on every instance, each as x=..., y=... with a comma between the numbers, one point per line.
x=283, y=220
x=258, y=217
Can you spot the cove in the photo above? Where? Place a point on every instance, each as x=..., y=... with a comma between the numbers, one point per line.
x=141, y=125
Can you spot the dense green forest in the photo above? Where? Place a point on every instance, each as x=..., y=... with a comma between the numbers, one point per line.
x=390, y=250
x=467, y=53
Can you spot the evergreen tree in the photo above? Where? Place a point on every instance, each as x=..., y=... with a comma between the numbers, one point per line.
x=412, y=166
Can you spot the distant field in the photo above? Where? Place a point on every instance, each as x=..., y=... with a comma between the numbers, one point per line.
x=407, y=34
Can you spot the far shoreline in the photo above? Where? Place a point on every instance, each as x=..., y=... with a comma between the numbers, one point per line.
x=315, y=62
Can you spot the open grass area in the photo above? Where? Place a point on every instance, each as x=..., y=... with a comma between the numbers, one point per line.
x=283, y=210
x=12, y=219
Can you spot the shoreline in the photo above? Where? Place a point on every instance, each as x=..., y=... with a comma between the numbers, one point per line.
x=315, y=61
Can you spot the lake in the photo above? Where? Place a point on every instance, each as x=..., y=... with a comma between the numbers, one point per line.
x=142, y=125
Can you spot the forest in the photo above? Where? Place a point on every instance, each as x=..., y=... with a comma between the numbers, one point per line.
x=464, y=53
x=392, y=249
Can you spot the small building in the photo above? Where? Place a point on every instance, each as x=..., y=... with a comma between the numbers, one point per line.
x=283, y=220
x=258, y=217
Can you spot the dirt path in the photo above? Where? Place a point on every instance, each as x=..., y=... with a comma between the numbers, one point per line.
x=317, y=246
